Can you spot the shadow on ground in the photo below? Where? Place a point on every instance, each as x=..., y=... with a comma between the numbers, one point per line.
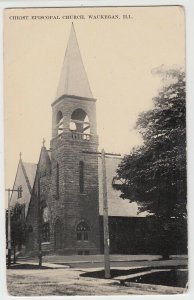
x=176, y=276
x=113, y=273
x=28, y=267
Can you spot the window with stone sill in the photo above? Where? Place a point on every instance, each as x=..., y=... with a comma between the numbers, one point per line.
x=83, y=230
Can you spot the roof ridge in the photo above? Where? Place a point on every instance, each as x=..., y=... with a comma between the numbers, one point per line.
x=26, y=177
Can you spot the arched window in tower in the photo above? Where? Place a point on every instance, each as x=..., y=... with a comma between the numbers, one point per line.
x=57, y=181
x=81, y=176
x=83, y=230
x=80, y=125
x=59, y=122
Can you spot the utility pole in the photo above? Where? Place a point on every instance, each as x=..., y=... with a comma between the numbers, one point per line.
x=39, y=223
x=9, y=229
x=105, y=218
x=105, y=211
x=19, y=191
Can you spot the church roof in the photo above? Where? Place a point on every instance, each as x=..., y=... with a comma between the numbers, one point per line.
x=73, y=80
x=31, y=172
x=45, y=158
x=25, y=177
x=116, y=205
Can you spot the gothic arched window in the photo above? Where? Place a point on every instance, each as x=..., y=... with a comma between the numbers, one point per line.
x=45, y=224
x=59, y=122
x=80, y=122
x=57, y=181
x=83, y=230
x=81, y=176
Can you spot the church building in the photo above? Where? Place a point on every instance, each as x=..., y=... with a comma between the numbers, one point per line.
x=62, y=193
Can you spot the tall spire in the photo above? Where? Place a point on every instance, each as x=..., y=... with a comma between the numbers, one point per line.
x=73, y=80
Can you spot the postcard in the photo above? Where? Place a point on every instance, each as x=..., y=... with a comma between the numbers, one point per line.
x=95, y=151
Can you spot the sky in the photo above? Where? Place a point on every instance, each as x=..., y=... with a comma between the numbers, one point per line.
x=118, y=54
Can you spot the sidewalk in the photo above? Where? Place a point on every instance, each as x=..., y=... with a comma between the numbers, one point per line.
x=74, y=259
x=45, y=264
x=96, y=262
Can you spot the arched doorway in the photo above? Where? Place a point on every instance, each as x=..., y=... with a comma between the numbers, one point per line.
x=58, y=235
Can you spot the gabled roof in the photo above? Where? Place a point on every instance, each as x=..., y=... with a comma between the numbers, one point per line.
x=73, y=80
x=25, y=177
x=26, y=173
x=116, y=205
x=30, y=171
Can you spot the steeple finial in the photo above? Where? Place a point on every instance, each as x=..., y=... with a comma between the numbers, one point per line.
x=20, y=155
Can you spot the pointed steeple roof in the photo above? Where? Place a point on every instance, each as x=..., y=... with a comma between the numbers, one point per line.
x=73, y=80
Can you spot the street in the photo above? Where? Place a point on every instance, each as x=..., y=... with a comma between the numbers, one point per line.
x=65, y=279
x=62, y=282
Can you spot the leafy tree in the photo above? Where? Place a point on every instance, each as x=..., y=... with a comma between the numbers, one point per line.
x=18, y=227
x=154, y=174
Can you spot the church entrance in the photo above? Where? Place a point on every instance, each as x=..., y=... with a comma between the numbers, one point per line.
x=58, y=235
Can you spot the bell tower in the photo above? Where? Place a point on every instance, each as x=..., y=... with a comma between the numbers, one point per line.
x=74, y=183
